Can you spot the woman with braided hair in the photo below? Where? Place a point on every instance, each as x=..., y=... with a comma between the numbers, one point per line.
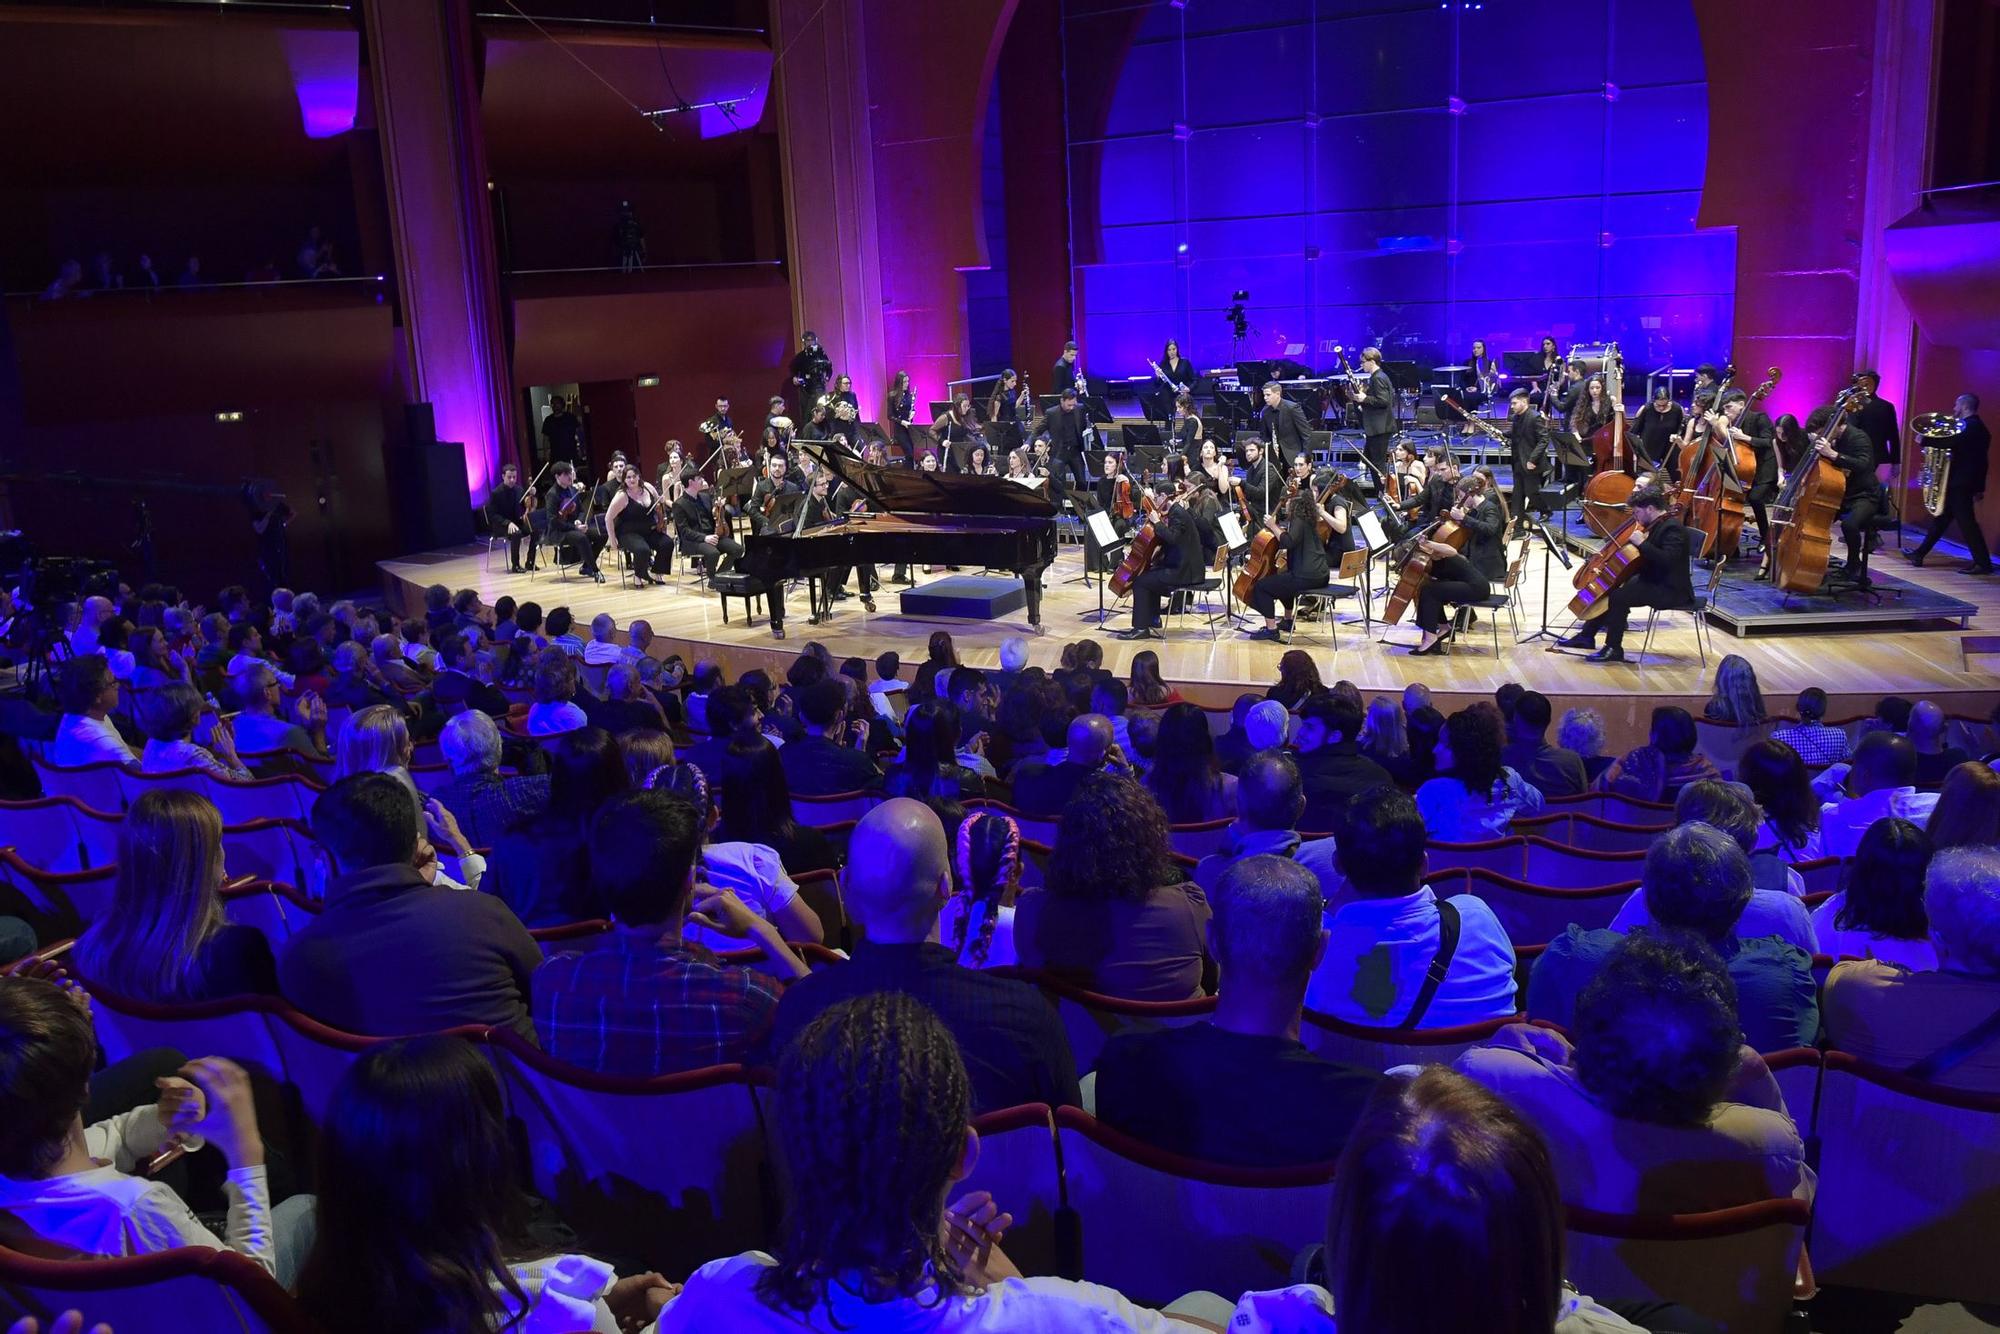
x=986, y=866
x=873, y=1111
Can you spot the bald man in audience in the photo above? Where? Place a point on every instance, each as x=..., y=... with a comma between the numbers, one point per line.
x=897, y=881
x=1042, y=788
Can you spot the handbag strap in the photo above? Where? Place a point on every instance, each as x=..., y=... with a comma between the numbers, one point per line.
x=1957, y=1051
x=1448, y=925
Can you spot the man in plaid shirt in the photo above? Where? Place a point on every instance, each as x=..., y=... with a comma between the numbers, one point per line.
x=641, y=1000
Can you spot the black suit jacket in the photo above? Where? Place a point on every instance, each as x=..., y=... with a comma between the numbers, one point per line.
x=1063, y=376
x=1182, y=534
x=1288, y=421
x=1666, y=558
x=490, y=700
x=818, y=767
x=1066, y=432
x=1969, y=449
x=1378, y=405
x=1528, y=441
x=694, y=521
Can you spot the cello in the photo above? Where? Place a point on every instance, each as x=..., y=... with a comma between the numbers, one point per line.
x=1416, y=566
x=1262, y=558
x=1609, y=567
x=1811, y=502
x=1145, y=547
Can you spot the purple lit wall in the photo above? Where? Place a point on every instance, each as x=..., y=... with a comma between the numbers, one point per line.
x=326, y=76
x=1411, y=174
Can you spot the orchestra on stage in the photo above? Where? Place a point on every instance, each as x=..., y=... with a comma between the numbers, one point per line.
x=1240, y=473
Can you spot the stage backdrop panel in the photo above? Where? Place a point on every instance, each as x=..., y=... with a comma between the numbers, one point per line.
x=1400, y=172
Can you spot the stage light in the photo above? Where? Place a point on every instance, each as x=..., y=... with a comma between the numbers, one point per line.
x=648, y=382
x=231, y=416
x=1181, y=249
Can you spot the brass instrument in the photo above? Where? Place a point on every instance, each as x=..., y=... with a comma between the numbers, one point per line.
x=1936, y=428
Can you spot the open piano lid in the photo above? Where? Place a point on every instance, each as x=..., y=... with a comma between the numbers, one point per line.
x=914, y=491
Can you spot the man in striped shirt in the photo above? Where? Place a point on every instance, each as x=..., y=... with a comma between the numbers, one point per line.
x=642, y=1000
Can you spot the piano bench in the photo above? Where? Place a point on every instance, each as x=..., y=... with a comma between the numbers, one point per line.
x=743, y=586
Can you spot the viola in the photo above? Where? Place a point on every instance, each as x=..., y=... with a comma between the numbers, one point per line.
x=1122, y=507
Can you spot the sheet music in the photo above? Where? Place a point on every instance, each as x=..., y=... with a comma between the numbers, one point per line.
x=1370, y=524
x=1232, y=529
x=1101, y=531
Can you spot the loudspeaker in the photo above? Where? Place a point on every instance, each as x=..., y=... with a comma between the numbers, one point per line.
x=433, y=504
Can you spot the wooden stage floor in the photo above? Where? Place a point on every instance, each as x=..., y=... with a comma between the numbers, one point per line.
x=1854, y=666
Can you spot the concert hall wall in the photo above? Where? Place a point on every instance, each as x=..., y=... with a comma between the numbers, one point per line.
x=1408, y=173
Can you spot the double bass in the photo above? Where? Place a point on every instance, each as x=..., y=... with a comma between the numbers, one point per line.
x=1805, y=511
x=1416, y=566
x=1609, y=567
x=1716, y=470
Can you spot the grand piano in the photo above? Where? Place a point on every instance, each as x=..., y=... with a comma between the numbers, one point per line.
x=918, y=518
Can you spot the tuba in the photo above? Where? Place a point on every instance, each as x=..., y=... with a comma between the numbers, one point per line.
x=1935, y=428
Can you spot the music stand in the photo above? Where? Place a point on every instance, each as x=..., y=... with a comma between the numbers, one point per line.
x=1252, y=374
x=1522, y=365
x=1144, y=445
x=1094, y=407
x=1100, y=537
x=1559, y=552
x=1236, y=545
x=1235, y=406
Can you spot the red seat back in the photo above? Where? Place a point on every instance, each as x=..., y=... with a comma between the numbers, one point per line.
x=1592, y=834
x=1018, y=1163
x=44, y=832
x=65, y=901
x=1199, y=840
x=95, y=785
x=203, y=1288
x=1553, y=866
x=278, y=910
x=1382, y=1048
x=1092, y=1019
x=1502, y=856
x=286, y=798
x=1732, y=1267
x=1534, y=914
x=832, y=807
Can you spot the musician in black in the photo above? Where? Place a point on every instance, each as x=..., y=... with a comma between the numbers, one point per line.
x=1179, y=370
x=1440, y=487
x=636, y=517
x=773, y=497
x=1528, y=446
x=1068, y=429
x=1459, y=578
x=1875, y=416
x=1707, y=380
x=1177, y=564
x=811, y=369
x=1551, y=376
x=1263, y=485
x=507, y=507
x=1847, y=447
x=1661, y=579
x=1010, y=400
x=1067, y=374
x=563, y=524
x=718, y=424
x=847, y=501
x=957, y=431
x=694, y=527
x=1285, y=427
x=1184, y=432
x=1107, y=497
x=1966, y=484
x=1378, y=409
x=1306, y=568
x=1656, y=431
x=1752, y=426
x=1590, y=409
x=902, y=412
x=818, y=425
x=603, y=493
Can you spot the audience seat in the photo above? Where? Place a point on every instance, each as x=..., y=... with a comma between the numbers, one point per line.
x=1797, y=1070
x=1614, y=807
x=833, y=807
x=431, y=778
x=274, y=908
x=1724, y=743
x=236, y=1027
x=1018, y=1163
x=1555, y=866
x=1091, y=1019
x=45, y=833
x=1821, y=875
x=1383, y=1048
x=1534, y=912
x=570, y=935
x=1591, y=833
x=1909, y=1194
x=95, y=785
x=1502, y=856
x=821, y=891
x=205, y=1289
x=135, y=785
x=1156, y=1225
x=1732, y=1267
x=1552, y=825
x=288, y=762
x=281, y=850
x=284, y=798
x=677, y=1165
x=60, y=903
x=1199, y=840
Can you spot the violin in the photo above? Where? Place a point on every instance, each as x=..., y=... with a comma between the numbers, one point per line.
x=1122, y=507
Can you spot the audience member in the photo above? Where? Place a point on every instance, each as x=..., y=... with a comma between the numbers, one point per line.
x=1581, y=732
x=266, y=727
x=1185, y=776
x=1147, y=689
x=751, y=871
x=1298, y=680
x=978, y=922
x=1268, y=724
x=1398, y=956
x=641, y=999
x=1476, y=793
x=1270, y=800
x=395, y=670
x=1233, y=746
x=1926, y=735
x=1668, y=762
x=1934, y=1025
x=169, y=716
x=389, y=953
x=870, y=1125
x=897, y=881
x=627, y=706
x=1882, y=781
x=1878, y=911
x=932, y=769
x=756, y=807
x=1967, y=814
x=1696, y=880
x=1551, y=770
x=1653, y=1106
x=456, y=678
x=1385, y=739
x=1331, y=765
x=485, y=803
x=164, y=937
x=942, y=656
x=70, y=1188
x=541, y=865
x=831, y=757
x=1044, y=787
x=1439, y=1165
x=1241, y=1089
x=555, y=690
x=1776, y=889
x=1737, y=700
x=1013, y=661
x=1115, y=916
x=1815, y=742
x=86, y=735
x=420, y=1224
x=1778, y=781
x=1505, y=696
